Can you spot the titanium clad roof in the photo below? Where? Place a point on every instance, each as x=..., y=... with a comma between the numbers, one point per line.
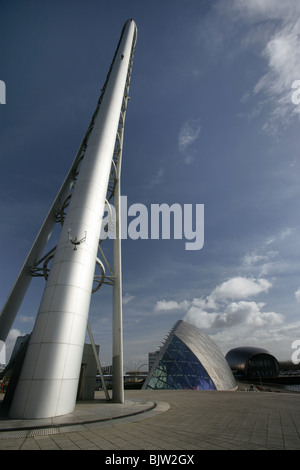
x=208, y=353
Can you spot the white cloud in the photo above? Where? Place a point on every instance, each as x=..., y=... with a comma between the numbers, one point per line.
x=277, y=339
x=200, y=318
x=10, y=342
x=252, y=259
x=188, y=134
x=283, y=57
x=229, y=316
x=249, y=313
x=240, y=288
x=258, y=10
x=234, y=314
x=205, y=303
x=157, y=178
x=225, y=305
x=171, y=305
x=297, y=295
x=280, y=48
x=127, y=298
x=285, y=233
x=263, y=263
x=26, y=319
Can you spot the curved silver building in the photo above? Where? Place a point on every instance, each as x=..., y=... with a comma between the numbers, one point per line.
x=252, y=362
x=189, y=359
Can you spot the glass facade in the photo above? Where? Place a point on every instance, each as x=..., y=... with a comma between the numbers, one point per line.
x=180, y=369
x=262, y=365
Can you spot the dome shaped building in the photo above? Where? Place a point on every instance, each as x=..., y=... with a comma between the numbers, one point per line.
x=250, y=362
x=189, y=359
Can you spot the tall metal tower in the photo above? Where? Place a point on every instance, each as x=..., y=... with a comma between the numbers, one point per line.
x=48, y=382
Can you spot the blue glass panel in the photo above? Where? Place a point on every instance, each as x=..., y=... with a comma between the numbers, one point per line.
x=180, y=369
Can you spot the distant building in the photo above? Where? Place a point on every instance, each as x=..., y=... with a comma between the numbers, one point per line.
x=107, y=370
x=250, y=363
x=20, y=341
x=151, y=358
x=189, y=359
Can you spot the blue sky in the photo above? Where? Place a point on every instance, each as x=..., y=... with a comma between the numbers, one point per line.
x=210, y=121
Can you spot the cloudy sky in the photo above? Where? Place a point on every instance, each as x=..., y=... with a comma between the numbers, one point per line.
x=213, y=119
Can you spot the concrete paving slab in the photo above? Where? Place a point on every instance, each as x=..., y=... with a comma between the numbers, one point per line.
x=166, y=420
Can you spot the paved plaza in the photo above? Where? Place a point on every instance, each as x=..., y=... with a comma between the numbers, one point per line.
x=166, y=420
